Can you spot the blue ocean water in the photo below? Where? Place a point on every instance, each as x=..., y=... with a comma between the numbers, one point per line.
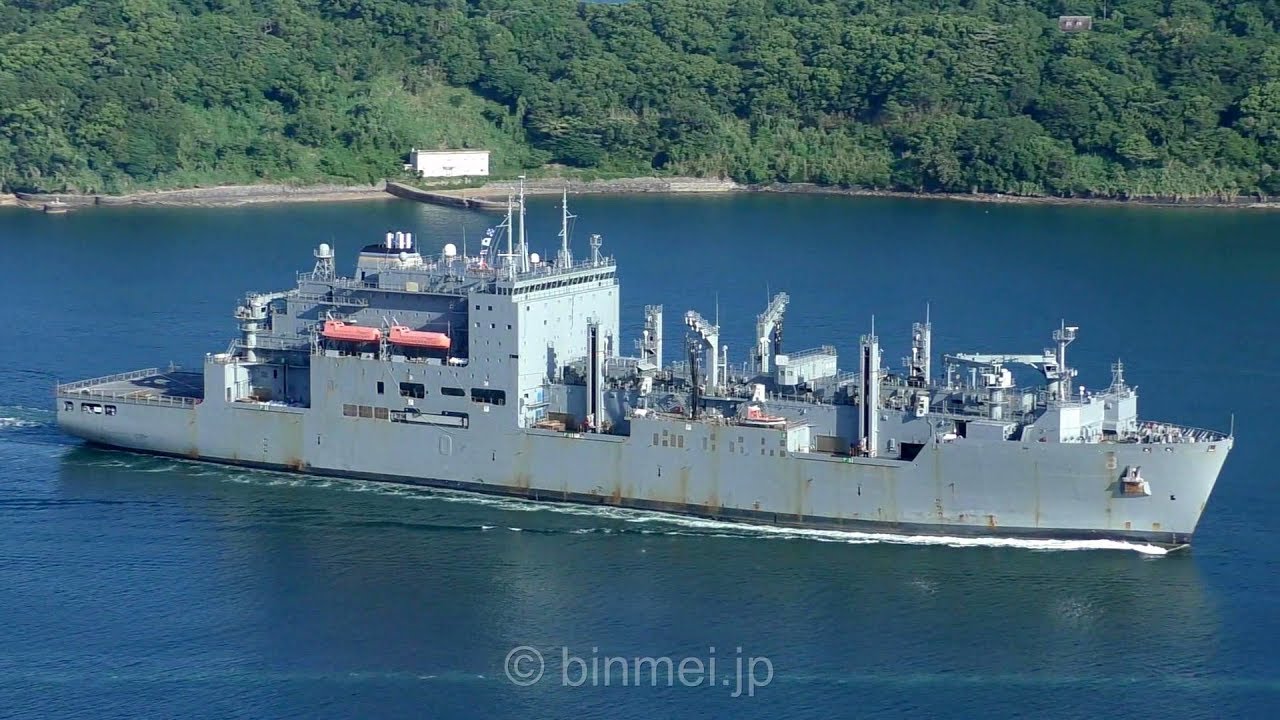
x=133, y=586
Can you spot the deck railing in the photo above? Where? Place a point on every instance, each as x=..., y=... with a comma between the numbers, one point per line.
x=118, y=377
x=86, y=389
x=172, y=400
x=1163, y=432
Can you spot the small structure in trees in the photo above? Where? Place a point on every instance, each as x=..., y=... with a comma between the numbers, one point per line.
x=448, y=163
x=1075, y=23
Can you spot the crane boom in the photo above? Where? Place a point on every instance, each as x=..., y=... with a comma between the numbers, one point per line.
x=709, y=335
x=769, y=331
x=1035, y=361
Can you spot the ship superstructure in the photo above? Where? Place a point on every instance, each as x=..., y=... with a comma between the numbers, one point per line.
x=503, y=372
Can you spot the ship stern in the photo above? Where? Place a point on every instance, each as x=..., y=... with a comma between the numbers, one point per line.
x=150, y=410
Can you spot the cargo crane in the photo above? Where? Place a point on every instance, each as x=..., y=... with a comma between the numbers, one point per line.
x=769, y=332
x=1052, y=363
x=650, y=342
x=918, y=365
x=708, y=336
x=252, y=314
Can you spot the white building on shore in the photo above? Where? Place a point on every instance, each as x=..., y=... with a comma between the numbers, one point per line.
x=448, y=163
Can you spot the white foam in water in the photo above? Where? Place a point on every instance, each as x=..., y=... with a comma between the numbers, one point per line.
x=862, y=538
x=13, y=422
x=735, y=529
x=168, y=467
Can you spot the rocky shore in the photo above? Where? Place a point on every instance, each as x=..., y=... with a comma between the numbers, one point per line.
x=1193, y=202
x=220, y=196
x=713, y=185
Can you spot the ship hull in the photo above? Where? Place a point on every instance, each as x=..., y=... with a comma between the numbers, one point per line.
x=728, y=473
x=744, y=516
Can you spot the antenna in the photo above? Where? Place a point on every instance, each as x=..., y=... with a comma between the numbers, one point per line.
x=524, y=247
x=510, y=256
x=565, y=259
x=1117, y=375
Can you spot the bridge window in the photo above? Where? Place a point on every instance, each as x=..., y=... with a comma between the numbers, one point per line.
x=68, y=405
x=111, y=409
x=453, y=392
x=380, y=387
x=488, y=396
x=410, y=390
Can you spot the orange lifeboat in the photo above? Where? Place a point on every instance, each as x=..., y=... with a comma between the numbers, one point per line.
x=401, y=335
x=338, y=330
x=757, y=418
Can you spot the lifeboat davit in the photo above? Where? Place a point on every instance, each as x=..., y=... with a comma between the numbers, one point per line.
x=338, y=330
x=401, y=335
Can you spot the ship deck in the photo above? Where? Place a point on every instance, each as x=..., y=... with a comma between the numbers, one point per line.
x=183, y=387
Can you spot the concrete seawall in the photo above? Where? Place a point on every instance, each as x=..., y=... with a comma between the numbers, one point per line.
x=454, y=198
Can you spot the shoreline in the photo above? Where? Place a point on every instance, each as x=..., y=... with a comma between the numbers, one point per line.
x=215, y=196
x=239, y=195
x=1271, y=203
x=692, y=185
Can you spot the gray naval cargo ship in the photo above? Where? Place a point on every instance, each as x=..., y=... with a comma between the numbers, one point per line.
x=504, y=373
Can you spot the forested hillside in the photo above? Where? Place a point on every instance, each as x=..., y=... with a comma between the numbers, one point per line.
x=1162, y=97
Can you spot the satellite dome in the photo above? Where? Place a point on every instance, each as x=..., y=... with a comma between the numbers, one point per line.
x=533, y=258
x=450, y=250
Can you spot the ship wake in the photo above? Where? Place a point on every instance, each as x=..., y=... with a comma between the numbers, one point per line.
x=21, y=428
x=866, y=538
x=17, y=417
x=648, y=522
x=685, y=525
